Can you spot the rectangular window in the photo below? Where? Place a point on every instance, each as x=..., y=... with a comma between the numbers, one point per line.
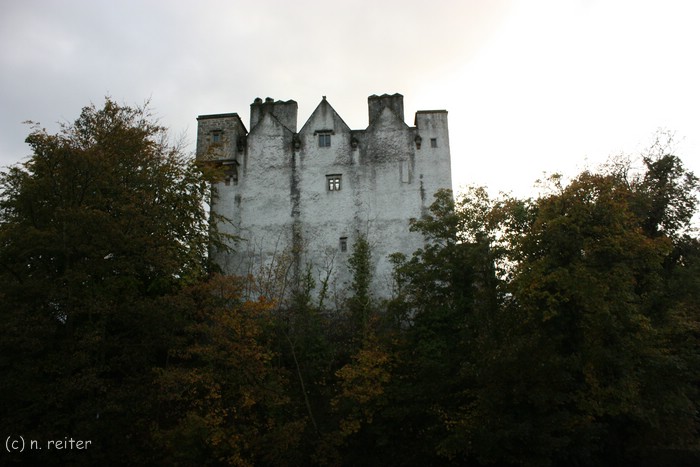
x=231, y=177
x=216, y=136
x=231, y=173
x=343, y=243
x=333, y=182
x=433, y=142
x=324, y=140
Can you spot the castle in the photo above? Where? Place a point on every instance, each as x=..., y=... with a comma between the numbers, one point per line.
x=297, y=200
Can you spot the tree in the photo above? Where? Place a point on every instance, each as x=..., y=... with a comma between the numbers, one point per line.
x=584, y=371
x=103, y=220
x=360, y=303
x=555, y=330
x=448, y=290
x=360, y=395
x=222, y=399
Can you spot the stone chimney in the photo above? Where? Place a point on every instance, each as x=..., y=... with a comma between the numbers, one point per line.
x=377, y=103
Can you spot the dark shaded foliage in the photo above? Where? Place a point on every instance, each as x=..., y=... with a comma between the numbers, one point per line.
x=560, y=330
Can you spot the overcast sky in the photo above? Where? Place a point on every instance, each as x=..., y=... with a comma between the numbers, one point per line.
x=530, y=86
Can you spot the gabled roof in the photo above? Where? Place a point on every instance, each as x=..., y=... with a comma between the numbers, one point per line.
x=386, y=115
x=323, y=107
x=268, y=117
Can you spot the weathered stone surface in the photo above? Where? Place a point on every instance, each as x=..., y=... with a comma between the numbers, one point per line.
x=293, y=219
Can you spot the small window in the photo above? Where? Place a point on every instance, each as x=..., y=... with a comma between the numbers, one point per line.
x=216, y=136
x=231, y=174
x=343, y=243
x=404, y=172
x=324, y=140
x=333, y=182
x=433, y=142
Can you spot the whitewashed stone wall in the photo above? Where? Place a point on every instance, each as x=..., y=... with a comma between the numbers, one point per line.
x=280, y=204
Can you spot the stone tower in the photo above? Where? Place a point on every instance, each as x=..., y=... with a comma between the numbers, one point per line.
x=299, y=199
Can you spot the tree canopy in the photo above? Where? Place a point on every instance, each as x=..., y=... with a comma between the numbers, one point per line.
x=561, y=329
x=96, y=227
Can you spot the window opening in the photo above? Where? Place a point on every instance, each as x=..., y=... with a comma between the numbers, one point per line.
x=343, y=243
x=333, y=182
x=433, y=142
x=231, y=174
x=324, y=140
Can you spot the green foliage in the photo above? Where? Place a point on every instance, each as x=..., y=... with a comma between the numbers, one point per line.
x=549, y=331
x=106, y=194
x=448, y=291
x=220, y=398
x=665, y=196
x=102, y=221
x=456, y=267
x=552, y=330
x=360, y=303
x=582, y=369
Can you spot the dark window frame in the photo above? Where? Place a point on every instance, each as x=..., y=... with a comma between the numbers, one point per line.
x=324, y=140
x=334, y=182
